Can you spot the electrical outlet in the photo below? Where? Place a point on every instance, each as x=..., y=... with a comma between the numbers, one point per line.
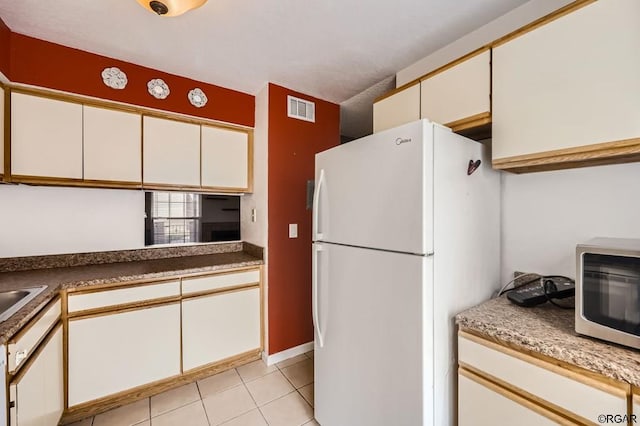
x=293, y=230
x=253, y=215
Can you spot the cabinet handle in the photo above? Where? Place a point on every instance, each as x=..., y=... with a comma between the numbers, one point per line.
x=21, y=356
x=317, y=235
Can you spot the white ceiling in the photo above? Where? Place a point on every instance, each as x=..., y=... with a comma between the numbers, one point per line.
x=331, y=49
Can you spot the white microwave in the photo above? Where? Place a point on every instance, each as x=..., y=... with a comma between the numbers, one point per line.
x=608, y=290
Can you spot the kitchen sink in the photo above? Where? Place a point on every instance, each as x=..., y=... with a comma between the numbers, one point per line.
x=11, y=301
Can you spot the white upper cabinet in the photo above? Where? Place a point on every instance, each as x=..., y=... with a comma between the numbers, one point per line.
x=569, y=84
x=400, y=108
x=112, y=145
x=462, y=92
x=225, y=158
x=171, y=152
x=46, y=137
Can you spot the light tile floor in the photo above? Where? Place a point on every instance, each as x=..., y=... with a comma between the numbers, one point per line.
x=250, y=395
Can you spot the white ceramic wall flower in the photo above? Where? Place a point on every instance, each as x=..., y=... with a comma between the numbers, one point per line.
x=115, y=78
x=158, y=88
x=197, y=97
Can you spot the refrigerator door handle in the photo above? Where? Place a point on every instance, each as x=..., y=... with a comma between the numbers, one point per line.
x=314, y=284
x=317, y=235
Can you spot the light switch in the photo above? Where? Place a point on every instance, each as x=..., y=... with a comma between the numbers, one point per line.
x=293, y=230
x=253, y=215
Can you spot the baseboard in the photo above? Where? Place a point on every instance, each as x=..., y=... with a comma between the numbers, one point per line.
x=286, y=354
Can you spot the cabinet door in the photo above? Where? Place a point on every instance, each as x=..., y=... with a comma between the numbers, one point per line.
x=112, y=145
x=225, y=158
x=46, y=137
x=38, y=392
x=171, y=152
x=400, y=108
x=220, y=326
x=459, y=97
x=120, y=351
x=480, y=403
x=570, y=83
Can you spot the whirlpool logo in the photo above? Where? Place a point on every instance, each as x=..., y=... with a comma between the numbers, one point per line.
x=400, y=141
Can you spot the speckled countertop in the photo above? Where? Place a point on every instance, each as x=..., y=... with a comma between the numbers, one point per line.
x=549, y=330
x=87, y=269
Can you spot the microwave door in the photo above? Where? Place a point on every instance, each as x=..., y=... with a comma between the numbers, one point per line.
x=612, y=293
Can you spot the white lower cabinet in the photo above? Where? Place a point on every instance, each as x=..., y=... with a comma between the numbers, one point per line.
x=116, y=352
x=219, y=326
x=481, y=404
x=498, y=384
x=36, y=394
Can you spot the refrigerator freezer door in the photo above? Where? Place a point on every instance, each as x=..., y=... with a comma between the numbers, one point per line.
x=374, y=310
x=377, y=191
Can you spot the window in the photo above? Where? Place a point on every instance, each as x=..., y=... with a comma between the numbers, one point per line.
x=179, y=217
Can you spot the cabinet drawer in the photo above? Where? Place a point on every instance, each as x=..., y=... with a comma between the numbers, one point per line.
x=23, y=344
x=481, y=403
x=122, y=296
x=562, y=388
x=218, y=281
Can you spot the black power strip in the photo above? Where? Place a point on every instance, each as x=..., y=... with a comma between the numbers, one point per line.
x=537, y=293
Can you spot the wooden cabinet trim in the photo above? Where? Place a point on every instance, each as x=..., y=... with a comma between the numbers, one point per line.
x=224, y=272
x=41, y=180
x=224, y=290
x=571, y=7
x=562, y=368
x=220, y=272
x=470, y=122
x=397, y=90
x=98, y=406
x=54, y=181
x=509, y=393
x=119, y=285
x=125, y=307
x=171, y=187
x=627, y=150
x=25, y=367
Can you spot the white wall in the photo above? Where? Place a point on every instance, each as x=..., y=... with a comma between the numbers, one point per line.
x=544, y=215
x=495, y=29
x=49, y=220
x=256, y=232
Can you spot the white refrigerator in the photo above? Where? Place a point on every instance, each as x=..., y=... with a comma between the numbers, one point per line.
x=405, y=235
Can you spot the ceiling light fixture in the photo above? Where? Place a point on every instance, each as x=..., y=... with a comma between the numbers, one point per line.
x=170, y=7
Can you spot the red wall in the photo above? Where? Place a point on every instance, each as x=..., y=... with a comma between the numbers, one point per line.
x=292, y=146
x=5, y=36
x=45, y=64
